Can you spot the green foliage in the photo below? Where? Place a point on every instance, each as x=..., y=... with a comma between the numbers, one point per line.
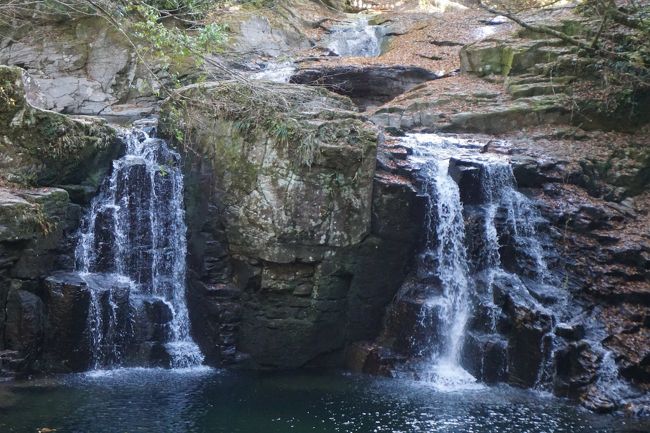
x=170, y=42
x=253, y=111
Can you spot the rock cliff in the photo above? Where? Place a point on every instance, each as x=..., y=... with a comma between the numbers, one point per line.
x=293, y=257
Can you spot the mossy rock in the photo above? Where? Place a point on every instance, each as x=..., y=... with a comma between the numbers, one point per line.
x=43, y=148
x=294, y=164
x=24, y=215
x=486, y=58
x=507, y=58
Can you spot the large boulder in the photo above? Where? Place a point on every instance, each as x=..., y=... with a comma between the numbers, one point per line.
x=288, y=262
x=293, y=178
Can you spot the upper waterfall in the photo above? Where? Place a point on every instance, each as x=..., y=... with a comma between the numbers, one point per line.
x=356, y=39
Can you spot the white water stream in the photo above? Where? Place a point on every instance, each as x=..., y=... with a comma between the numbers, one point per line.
x=135, y=235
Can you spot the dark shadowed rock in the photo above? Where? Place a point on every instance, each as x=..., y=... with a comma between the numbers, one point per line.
x=68, y=301
x=467, y=175
x=365, y=85
x=25, y=324
x=576, y=368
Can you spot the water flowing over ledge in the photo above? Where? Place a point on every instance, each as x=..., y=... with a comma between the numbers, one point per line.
x=483, y=304
x=131, y=254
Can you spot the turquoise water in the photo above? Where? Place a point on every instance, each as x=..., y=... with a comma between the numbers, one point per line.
x=128, y=401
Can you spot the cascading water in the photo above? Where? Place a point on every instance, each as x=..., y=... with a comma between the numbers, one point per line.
x=276, y=72
x=522, y=216
x=360, y=39
x=455, y=282
x=445, y=256
x=521, y=219
x=132, y=251
x=485, y=301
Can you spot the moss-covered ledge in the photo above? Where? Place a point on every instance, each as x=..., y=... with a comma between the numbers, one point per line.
x=44, y=148
x=294, y=165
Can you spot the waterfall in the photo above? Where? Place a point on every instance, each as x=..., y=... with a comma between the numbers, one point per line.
x=360, y=39
x=444, y=257
x=445, y=219
x=132, y=251
x=454, y=282
x=522, y=216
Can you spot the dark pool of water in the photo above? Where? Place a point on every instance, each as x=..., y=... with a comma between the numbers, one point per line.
x=130, y=401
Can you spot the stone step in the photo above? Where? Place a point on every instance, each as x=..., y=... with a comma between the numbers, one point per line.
x=524, y=112
x=535, y=89
x=526, y=78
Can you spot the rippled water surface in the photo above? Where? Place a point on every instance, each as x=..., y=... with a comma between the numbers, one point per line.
x=213, y=401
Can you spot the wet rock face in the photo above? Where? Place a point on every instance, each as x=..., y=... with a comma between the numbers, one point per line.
x=365, y=85
x=291, y=263
x=24, y=324
x=486, y=358
x=68, y=301
x=577, y=368
x=133, y=328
